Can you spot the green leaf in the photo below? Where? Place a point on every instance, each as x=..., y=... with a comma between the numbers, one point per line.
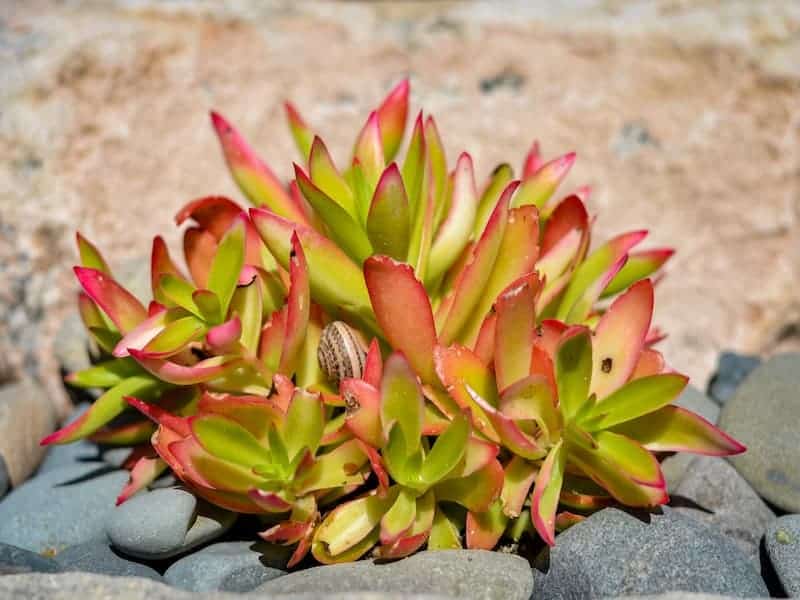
x=400, y=517
x=105, y=408
x=593, y=275
x=414, y=166
x=105, y=374
x=573, y=367
x=304, y=423
x=388, y=221
x=339, y=467
x=447, y=451
x=456, y=229
x=229, y=441
x=484, y=529
x=227, y=265
x=544, y=500
x=474, y=492
x=519, y=477
x=349, y=525
x=498, y=180
x=402, y=401
x=90, y=255
x=343, y=229
x=327, y=178
x=675, y=429
x=247, y=303
x=278, y=451
x=637, y=398
x=208, y=304
x=444, y=533
x=175, y=337
x=180, y=291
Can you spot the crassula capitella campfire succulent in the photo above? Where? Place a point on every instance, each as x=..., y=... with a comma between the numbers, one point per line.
x=386, y=356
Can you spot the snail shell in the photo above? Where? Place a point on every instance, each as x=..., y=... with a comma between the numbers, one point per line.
x=341, y=353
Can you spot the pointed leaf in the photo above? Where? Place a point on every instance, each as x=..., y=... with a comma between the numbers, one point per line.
x=388, y=221
x=247, y=305
x=637, y=398
x=343, y=228
x=464, y=376
x=178, y=374
x=619, y=339
x=336, y=282
x=401, y=401
x=105, y=408
x=224, y=337
x=403, y=311
x=362, y=403
x=537, y=189
x=544, y=499
x=304, y=423
x=594, y=274
x=630, y=457
x=199, y=248
x=368, y=150
x=675, y=429
x=392, y=115
x=472, y=283
x=444, y=533
x=115, y=301
x=515, y=333
x=227, y=440
x=484, y=529
x=174, y=337
x=90, y=255
x=348, y=526
x=298, y=307
x=446, y=452
x=161, y=264
x=341, y=466
x=499, y=179
x=639, y=265
x=414, y=166
x=573, y=367
x=399, y=518
x=253, y=177
x=145, y=472
x=455, y=230
x=519, y=477
x=105, y=374
x=227, y=264
x=476, y=492
x=301, y=132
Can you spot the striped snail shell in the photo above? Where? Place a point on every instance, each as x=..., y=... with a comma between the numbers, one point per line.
x=341, y=353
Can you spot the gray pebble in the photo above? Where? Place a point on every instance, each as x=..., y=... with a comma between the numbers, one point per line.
x=229, y=567
x=782, y=542
x=164, y=523
x=99, y=557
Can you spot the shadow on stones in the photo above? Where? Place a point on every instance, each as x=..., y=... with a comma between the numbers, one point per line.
x=768, y=573
x=101, y=470
x=676, y=501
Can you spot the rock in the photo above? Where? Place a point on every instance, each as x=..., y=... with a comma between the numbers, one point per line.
x=229, y=567
x=99, y=557
x=782, y=541
x=26, y=416
x=71, y=344
x=732, y=369
x=164, y=523
x=88, y=586
x=693, y=399
x=18, y=560
x=61, y=508
x=453, y=573
x=612, y=553
x=764, y=415
x=5, y=483
x=674, y=467
x=736, y=510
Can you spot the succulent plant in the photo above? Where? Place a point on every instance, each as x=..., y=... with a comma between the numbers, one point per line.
x=387, y=356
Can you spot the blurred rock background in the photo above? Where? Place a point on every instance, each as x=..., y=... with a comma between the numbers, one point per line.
x=685, y=116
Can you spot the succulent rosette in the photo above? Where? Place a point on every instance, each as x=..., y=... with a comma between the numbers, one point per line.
x=387, y=355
